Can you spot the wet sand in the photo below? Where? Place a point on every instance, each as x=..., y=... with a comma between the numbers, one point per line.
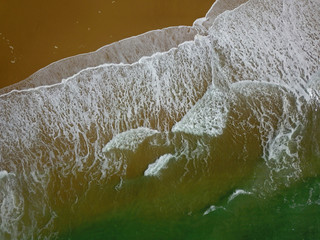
x=35, y=33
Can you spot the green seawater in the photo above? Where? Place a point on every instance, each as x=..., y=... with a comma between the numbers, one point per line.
x=289, y=213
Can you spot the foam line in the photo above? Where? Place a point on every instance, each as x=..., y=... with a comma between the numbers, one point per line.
x=125, y=51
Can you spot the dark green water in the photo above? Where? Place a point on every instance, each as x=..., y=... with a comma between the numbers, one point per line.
x=292, y=213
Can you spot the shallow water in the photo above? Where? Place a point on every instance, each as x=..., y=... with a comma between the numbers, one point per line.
x=202, y=132
x=292, y=213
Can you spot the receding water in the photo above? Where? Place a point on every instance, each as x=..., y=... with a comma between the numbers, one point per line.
x=202, y=132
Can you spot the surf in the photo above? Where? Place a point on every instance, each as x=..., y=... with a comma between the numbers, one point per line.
x=172, y=123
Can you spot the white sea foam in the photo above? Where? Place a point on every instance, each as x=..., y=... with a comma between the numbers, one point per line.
x=218, y=7
x=207, y=116
x=130, y=139
x=267, y=41
x=11, y=206
x=314, y=87
x=3, y=174
x=155, y=168
x=238, y=192
x=211, y=209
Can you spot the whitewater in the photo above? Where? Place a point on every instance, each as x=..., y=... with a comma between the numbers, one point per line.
x=179, y=125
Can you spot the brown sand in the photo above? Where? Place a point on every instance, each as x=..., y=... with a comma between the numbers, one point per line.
x=35, y=33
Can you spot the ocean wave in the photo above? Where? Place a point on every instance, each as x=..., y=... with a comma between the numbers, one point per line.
x=203, y=108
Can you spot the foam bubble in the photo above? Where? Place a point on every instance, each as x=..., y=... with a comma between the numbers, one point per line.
x=211, y=209
x=155, y=168
x=218, y=7
x=207, y=116
x=314, y=87
x=267, y=41
x=3, y=174
x=11, y=206
x=238, y=192
x=130, y=139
